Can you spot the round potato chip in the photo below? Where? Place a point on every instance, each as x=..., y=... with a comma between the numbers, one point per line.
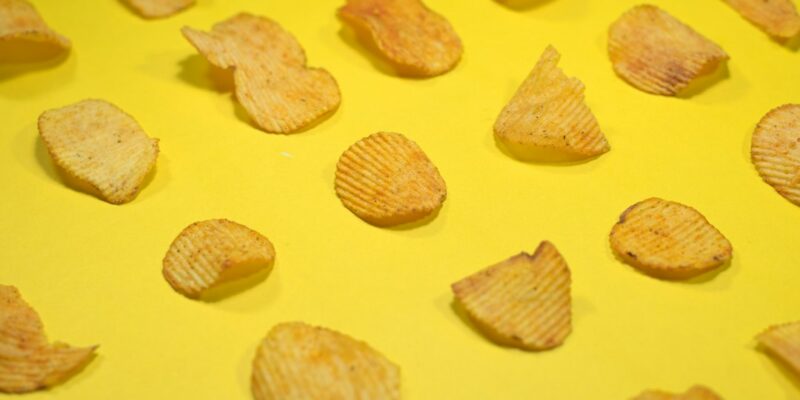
x=778, y=18
x=697, y=392
x=783, y=341
x=159, y=8
x=19, y=20
x=775, y=150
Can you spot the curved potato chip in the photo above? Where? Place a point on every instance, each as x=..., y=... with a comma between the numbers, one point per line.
x=668, y=240
x=20, y=21
x=415, y=39
x=208, y=253
x=775, y=150
x=547, y=119
x=523, y=301
x=658, y=54
x=272, y=81
x=27, y=361
x=297, y=361
x=159, y=8
x=778, y=18
x=696, y=392
x=99, y=146
x=386, y=179
x=783, y=341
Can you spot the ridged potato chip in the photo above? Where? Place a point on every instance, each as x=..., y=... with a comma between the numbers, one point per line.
x=696, y=392
x=523, y=301
x=386, y=179
x=270, y=75
x=297, y=361
x=414, y=39
x=775, y=150
x=159, y=8
x=20, y=21
x=100, y=147
x=778, y=18
x=668, y=240
x=783, y=341
x=658, y=54
x=547, y=119
x=27, y=361
x=209, y=253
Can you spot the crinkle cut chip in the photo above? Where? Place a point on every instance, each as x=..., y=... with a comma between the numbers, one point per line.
x=778, y=18
x=775, y=150
x=783, y=341
x=159, y=8
x=23, y=30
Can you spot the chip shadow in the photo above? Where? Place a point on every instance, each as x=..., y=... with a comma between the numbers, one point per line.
x=233, y=287
x=21, y=57
x=704, y=82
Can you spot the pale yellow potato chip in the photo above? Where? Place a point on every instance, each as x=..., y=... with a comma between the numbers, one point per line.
x=159, y=8
x=272, y=81
x=668, y=240
x=297, y=361
x=778, y=18
x=658, y=54
x=99, y=146
x=775, y=150
x=696, y=392
x=783, y=341
x=414, y=39
x=209, y=253
x=386, y=179
x=523, y=301
x=20, y=21
x=547, y=119
x=27, y=361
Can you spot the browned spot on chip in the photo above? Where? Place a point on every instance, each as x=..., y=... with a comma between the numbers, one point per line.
x=696, y=392
x=386, y=179
x=775, y=150
x=778, y=18
x=19, y=21
x=783, y=341
x=159, y=8
x=297, y=361
x=548, y=119
x=658, y=54
x=523, y=301
x=27, y=361
x=269, y=68
x=416, y=40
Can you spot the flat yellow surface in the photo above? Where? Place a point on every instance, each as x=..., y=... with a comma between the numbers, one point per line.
x=93, y=270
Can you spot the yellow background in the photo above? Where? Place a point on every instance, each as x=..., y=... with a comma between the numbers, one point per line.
x=93, y=270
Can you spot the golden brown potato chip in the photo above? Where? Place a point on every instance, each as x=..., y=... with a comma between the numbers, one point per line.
x=775, y=150
x=20, y=21
x=783, y=341
x=658, y=54
x=269, y=69
x=99, y=146
x=27, y=361
x=668, y=240
x=159, y=8
x=696, y=392
x=208, y=253
x=297, y=361
x=385, y=179
x=778, y=18
x=523, y=301
x=416, y=40
x=548, y=119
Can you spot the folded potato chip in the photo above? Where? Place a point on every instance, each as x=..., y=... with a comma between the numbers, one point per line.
x=208, y=253
x=523, y=301
x=99, y=146
x=778, y=18
x=775, y=150
x=414, y=39
x=27, y=361
x=385, y=179
x=658, y=54
x=297, y=361
x=272, y=81
x=159, y=8
x=696, y=392
x=19, y=20
x=548, y=119
x=668, y=240
x=783, y=341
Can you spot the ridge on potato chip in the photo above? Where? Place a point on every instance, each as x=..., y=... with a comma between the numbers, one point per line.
x=99, y=146
x=658, y=54
x=523, y=301
x=272, y=81
x=414, y=39
x=547, y=119
x=783, y=341
x=775, y=150
x=778, y=18
x=697, y=392
x=386, y=179
x=208, y=253
x=20, y=21
x=159, y=8
x=27, y=361
x=296, y=361
x=668, y=240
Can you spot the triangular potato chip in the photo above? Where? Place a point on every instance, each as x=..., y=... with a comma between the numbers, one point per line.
x=784, y=342
x=778, y=18
x=19, y=21
x=523, y=302
x=696, y=392
x=775, y=150
x=159, y=8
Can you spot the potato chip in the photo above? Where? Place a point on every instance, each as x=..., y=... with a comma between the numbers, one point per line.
x=209, y=253
x=523, y=301
x=27, y=361
x=658, y=54
x=297, y=361
x=414, y=39
x=696, y=392
x=668, y=240
x=95, y=143
x=783, y=341
x=20, y=21
x=778, y=18
x=547, y=119
x=159, y=8
x=775, y=150
x=272, y=81
x=385, y=179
